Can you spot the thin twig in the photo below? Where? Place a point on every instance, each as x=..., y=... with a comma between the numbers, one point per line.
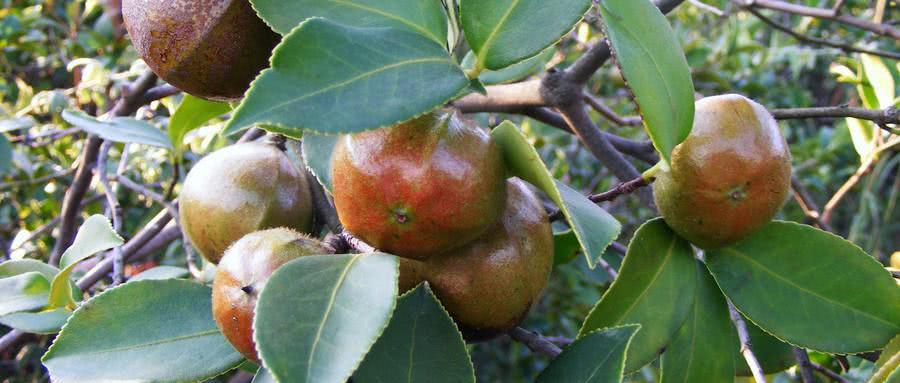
x=879, y=116
x=835, y=377
x=820, y=41
x=627, y=187
x=535, y=342
x=34, y=181
x=609, y=114
x=806, y=373
x=746, y=349
x=114, y=211
x=356, y=243
x=131, y=100
x=827, y=14
x=854, y=179
x=836, y=9
x=807, y=204
x=706, y=7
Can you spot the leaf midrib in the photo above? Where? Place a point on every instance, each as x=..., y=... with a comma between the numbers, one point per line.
x=652, y=282
x=493, y=35
x=734, y=252
x=392, y=17
x=350, y=81
x=154, y=343
x=328, y=309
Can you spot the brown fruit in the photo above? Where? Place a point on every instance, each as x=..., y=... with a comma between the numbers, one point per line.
x=729, y=177
x=419, y=188
x=238, y=190
x=243, y=273
x=489, y=285
x=209, y=48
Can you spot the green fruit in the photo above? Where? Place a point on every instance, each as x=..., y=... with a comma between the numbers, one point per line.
x=489, y=285
x=242, y=274
x=419, y=188
x=209, y=48
x=238, y=190
x=729, y=177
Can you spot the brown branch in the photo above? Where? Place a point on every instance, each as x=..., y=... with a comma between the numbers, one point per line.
x=854, y=179
x=114, y=211
x=535, y=342
x=511, y=97
x=819, y=41
x=820, y=13
x=620, y=189
x=878, y=116
x=589, y=134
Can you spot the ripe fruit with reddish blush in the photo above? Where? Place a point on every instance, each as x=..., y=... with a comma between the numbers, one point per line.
x=243, y=273
x=489, y=285
x=238, y=190
x=209, y=48
x=419, y=188
x=729, y=177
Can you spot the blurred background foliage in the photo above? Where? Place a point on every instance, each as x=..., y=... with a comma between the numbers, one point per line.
x=74, y=54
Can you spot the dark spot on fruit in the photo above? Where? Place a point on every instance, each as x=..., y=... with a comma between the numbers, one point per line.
x=247, y=289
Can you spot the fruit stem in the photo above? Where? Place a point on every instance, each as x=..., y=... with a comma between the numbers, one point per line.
x=650, y=174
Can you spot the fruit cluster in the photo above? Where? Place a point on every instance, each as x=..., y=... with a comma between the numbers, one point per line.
x=434, y=192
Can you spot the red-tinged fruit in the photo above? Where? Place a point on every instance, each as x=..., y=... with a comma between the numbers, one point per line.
x=419, y=188
x=489, y=285
x=238, y=190
x=242, y=274
x=729, y=177
x=209, y=48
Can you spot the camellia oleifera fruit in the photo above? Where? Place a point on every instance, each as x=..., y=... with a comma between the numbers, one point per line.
x=243, y=273
x=209, y=48
x=489, y=285
x=238, y=190
x=419, y=188
x=729, y=177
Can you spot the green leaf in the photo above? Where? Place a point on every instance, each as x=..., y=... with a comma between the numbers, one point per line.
x=192, y=113
x=864, y=135
x=513, y=72
x=598, y=357
x=650, y=57
x=420, y=341
x=797, y=283
x=95, y=235
x=331, y=78
x=594, y=227
x=700, y=350
x=655, y=289
x=161, y=272
x=263, y=376
x=6, y=153
x=772, y=354
x=893, y=347
x=42, y=322
x=505, y=32
x=319, y=315
x=119, y=129
x=879, y=78
x=21, y=266
x=23, y=292
x=425, y=17
x=317, y=150
x=147, y=331
x=888, y=362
